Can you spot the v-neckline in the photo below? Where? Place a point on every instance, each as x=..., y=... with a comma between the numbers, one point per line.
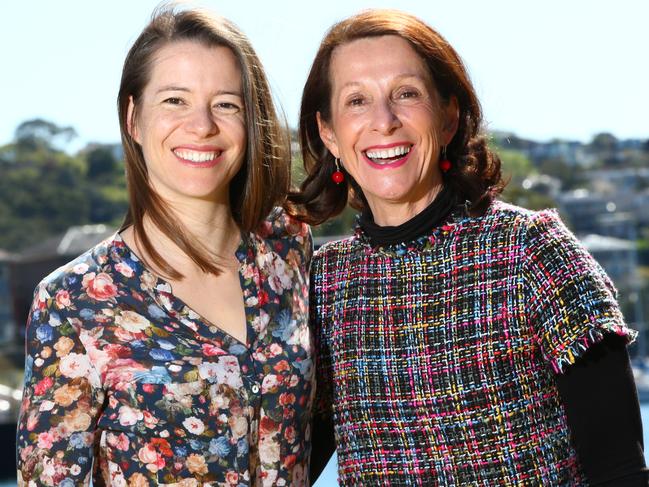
x=162, y=294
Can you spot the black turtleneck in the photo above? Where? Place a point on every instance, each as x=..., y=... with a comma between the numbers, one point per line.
x=421, y=224
x=598, y=391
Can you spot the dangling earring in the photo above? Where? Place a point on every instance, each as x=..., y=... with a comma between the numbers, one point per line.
x=444, y=163
x=338, y=176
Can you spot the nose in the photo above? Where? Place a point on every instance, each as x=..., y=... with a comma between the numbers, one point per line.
x=201, y=122
x=384, y=118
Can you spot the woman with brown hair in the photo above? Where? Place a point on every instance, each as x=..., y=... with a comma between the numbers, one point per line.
x=178, y=350
x=460, y=340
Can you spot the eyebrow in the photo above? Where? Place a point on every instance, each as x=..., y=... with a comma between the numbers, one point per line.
x=398, y=77
x=187, y=90
x=411, y=75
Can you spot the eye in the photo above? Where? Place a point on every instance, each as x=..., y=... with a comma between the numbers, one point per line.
x=227, y=107
x=173, y=101
x=356, y=101
x=407, y=93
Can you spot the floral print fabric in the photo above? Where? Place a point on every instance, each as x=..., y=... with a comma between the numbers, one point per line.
x=126, y=385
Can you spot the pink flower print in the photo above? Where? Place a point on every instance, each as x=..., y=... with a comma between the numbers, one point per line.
x=124, y=269
x=45, y=440
x=74, y=365
x=62, y=299
x=99, y=286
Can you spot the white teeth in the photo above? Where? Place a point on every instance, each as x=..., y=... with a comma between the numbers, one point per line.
x=196, y=156
x=389, y=153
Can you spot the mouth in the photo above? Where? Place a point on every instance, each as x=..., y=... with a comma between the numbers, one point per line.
x=198, y=158
x=387, y=156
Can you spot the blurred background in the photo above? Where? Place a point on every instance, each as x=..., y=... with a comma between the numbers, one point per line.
x=563, y=87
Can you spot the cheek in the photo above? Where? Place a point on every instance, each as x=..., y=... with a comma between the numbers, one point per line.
x=235, y=128
x=242, y=134
x=348, y=133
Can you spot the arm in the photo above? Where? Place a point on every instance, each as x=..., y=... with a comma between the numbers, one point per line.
x=323, y=445
x=62, y=398
x=599, y=396
x=323, y=442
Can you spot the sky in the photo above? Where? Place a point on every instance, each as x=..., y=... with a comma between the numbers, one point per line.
x=542, y=69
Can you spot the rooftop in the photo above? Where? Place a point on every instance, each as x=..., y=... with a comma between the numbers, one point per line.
x=74, y=241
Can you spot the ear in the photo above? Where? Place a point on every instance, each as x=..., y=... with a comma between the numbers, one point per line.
x=131, y=126
x=451, y=120
x=327, y=136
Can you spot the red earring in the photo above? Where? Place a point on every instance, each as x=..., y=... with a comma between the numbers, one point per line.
x=338, y=176
x=444, y=163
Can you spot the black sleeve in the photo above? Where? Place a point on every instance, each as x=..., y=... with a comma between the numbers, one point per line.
x=603, y=413
x=323, y=445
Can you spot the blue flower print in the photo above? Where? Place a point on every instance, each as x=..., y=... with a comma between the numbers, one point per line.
x=157, y=375
x=44, y=333
x=220, y=446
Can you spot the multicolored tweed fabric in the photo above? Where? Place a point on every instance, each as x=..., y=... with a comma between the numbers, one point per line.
x=437, y=357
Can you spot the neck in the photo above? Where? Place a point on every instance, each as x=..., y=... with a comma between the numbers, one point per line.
x=393, y=213
x=206, y=223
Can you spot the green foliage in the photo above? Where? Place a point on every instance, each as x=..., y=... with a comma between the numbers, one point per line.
x=604, y=142
x=527, y=198
x=516, y=166
x=39, y=133
x=340, y=226
x=570, y=176
x=102, y=164
x=44, y=191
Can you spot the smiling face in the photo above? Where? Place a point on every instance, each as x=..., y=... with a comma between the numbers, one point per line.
x=388, y=124
x=190, y=122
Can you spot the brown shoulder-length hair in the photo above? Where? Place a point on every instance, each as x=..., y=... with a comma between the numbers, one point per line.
x=475, y=175
x=264, y=178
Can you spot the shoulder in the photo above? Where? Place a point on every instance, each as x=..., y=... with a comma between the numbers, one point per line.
x=279, y=224
x=336, y=246
x=508, y=217
x=548, y=244
x=72, y=277
x=282, y=232
x=502, y=213
x=333, y=251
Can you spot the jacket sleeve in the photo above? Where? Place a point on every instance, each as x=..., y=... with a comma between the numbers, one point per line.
x=571, y=302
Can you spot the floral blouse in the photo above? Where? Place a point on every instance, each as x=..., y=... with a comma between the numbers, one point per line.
x=126, y=385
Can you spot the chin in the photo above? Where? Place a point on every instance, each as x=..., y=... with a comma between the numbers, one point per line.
x=392, y=194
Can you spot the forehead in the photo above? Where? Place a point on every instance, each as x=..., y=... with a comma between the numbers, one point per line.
x=382, y=56
x=193, y=61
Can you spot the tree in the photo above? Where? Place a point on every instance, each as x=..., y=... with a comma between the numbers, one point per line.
x=515, y=165
x=605, y=146
x=556, y=167
x=44, y=191
x=37, y=133
x=604, y=142
x=101, y=162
